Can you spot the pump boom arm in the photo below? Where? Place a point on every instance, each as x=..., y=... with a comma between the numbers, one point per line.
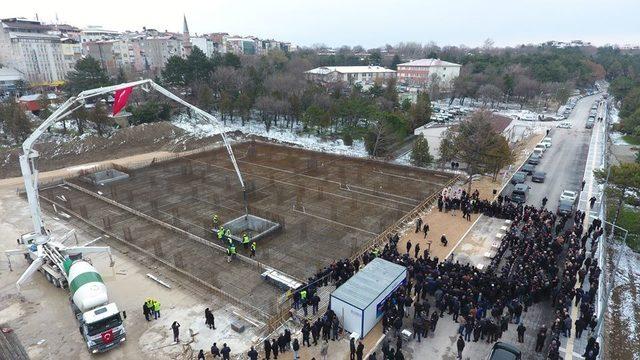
x=28, y=158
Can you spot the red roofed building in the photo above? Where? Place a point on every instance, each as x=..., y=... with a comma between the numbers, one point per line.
x=422, y=72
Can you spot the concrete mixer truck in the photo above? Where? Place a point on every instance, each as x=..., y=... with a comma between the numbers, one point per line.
x=99, y=321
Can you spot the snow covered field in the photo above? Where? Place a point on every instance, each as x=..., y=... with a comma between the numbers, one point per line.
x=200, y=129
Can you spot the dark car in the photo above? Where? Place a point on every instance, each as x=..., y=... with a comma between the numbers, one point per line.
x=565, y=207
x=504, y=351
x=534, y=159
x=528, y=168
x=538, y=176
x=519, y=177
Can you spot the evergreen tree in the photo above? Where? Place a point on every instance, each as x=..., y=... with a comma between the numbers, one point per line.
x=420, y=155
x=86, y=74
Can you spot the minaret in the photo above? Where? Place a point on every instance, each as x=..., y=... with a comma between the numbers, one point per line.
x=186, y=41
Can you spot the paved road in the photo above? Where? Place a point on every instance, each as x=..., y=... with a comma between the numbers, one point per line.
x=565, y=160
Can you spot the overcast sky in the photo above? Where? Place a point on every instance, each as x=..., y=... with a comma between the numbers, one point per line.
x=369, y=23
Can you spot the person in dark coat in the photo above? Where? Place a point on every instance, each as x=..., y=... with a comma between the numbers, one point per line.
x=352, y=349
x=359, y=351
x=209, y=319
x=175, y=327
x=460, y=345
x=267, y=349
x=274, y=348
x=296, y=347
x=215, y=352
x=521, y=329
x=226, y=352
x=201, y=355
x=146, y=311
x=252, y=354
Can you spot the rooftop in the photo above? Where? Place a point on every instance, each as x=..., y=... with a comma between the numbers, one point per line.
x=10, y=74
x=323, y=70
x=429, y=62
x=367, y=284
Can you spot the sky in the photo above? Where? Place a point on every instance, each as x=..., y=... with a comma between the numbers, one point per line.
x=371, y=23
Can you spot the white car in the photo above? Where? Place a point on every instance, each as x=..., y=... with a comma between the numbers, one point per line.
x=546, y=142
x=540, y=147
x=569, y=195
x=564, y=125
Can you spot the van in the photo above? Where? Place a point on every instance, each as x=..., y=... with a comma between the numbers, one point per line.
x=520, y=193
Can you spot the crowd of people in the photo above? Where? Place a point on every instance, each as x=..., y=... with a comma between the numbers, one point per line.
x=542, y=258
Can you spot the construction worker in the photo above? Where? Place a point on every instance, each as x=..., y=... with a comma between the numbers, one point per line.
x=375, y=251
x=303, y=295
x=156, y=308
x=232, y=249
x=253, y=249
x=245, y=241
x=216, y=221
x=220, y=233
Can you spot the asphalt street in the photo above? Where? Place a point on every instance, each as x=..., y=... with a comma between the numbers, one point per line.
x=564, y=162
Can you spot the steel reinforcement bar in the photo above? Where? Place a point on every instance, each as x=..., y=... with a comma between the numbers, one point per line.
x=189, y=235
x=246, y=306
x=382, y=237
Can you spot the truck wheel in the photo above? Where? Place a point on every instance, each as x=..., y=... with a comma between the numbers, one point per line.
x=48, y=276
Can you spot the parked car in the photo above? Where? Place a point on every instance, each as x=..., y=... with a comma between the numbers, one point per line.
x=564, y=125
x=565, y=207
x=569, y=195
x=546, y=142
x=541, y=147
x=519, y=177
x=528, y=168
x=538, y=176
x=504, y=351
x=534, y=159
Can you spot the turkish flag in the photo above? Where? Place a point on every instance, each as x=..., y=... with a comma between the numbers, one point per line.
x=121, y=96
x=107, y=336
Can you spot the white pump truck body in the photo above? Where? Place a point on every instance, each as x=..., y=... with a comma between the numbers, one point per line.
x=100, y=322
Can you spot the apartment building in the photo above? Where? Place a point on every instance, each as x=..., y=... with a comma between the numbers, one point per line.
x=422, y=72
x=349, y=74
x=28, y=47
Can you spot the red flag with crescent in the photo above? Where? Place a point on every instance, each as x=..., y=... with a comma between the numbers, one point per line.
x=121, y=96
x=107, y=336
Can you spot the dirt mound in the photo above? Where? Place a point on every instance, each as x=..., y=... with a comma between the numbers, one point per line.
x=160, y=136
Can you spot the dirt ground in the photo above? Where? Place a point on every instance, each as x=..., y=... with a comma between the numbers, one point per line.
x=145, y=138
x=43, y=321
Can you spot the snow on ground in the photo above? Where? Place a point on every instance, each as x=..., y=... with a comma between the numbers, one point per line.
x=199, y=128
x=614, y=118
x=616, y=139
x=628, y=271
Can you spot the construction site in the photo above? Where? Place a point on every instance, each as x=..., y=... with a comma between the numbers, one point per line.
x=317, y=208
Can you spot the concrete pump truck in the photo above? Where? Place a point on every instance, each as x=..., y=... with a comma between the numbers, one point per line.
x=99, y=320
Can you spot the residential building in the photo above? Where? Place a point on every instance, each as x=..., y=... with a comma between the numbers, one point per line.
x=27, y=46
x=113, y=55
x=151, y=53
x=240, y=45
x=205, y=44
x=71, y=52
x=422, y=72
x=349, y=74
x=97, y=33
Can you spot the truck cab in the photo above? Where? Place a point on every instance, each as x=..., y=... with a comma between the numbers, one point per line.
x=102, y=328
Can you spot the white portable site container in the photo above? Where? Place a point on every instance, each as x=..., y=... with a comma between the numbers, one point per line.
x=358, y=303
